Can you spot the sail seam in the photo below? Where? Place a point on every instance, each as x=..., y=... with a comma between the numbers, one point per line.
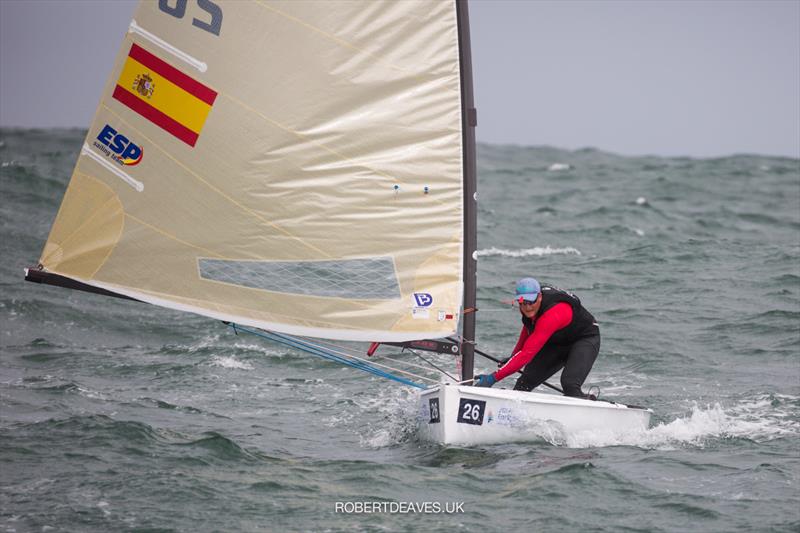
x=116, y=241
x=87, y=221
x=341, y=41
x=173, y=237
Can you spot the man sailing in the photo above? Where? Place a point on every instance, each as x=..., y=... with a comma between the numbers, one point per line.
x=557, y=332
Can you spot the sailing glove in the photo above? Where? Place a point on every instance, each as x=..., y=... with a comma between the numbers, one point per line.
x=484, y=380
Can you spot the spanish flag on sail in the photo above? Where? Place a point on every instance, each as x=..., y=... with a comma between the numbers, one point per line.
x=164, y=95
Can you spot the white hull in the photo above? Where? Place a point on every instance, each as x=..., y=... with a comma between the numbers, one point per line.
x=473, y=415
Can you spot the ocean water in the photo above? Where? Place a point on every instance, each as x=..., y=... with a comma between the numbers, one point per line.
x=118, y=416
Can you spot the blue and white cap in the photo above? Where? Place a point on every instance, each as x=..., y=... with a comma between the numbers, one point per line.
x=527, y=289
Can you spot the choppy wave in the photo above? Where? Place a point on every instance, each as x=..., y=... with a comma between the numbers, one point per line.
x=230, y=362
x=527, y=252
x=119, y=416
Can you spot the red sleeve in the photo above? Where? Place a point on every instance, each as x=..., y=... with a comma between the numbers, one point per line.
x=557, y=317
x=521, y=341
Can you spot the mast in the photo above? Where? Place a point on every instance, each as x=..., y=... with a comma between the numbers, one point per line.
x=469, y=118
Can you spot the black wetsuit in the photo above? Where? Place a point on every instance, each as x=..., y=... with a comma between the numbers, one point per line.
x=573, y=348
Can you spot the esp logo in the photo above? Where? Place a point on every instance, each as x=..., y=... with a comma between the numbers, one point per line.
x=128, y=153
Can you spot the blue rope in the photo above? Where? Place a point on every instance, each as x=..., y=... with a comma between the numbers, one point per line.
x=325, y=354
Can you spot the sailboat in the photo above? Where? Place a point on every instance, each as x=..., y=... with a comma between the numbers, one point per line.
x=301, y=171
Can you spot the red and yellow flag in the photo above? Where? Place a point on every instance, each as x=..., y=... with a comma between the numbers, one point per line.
x=164, y=95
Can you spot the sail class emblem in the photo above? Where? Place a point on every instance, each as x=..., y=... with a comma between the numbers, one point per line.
x=143, y=84
x=423, y=299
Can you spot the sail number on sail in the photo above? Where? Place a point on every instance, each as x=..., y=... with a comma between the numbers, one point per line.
x=179, y=10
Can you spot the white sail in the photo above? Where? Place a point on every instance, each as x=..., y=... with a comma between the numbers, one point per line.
x=290, y=165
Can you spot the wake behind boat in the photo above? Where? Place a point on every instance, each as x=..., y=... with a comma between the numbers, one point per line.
x=465, y=415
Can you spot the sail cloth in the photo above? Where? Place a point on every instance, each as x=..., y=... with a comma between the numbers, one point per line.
x=289, y=165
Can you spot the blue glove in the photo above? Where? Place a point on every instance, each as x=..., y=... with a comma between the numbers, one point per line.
x=484, y=380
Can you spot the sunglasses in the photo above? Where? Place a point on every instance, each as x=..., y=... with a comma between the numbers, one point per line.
x=526, y=302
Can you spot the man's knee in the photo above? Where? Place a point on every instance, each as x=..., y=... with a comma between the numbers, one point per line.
x=523, y=384
x=572, y=388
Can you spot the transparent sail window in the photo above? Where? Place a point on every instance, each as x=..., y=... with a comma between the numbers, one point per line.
x=354, y=279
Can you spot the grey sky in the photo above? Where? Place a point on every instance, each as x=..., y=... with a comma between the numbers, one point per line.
x=659, y=77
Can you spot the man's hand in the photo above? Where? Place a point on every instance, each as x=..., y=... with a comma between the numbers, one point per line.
x=484, y=380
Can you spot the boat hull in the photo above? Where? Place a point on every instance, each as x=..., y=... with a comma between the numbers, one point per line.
x=452, y=414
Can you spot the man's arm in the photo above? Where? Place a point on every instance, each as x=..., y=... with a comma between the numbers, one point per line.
x=523, y=335
x=557, y=317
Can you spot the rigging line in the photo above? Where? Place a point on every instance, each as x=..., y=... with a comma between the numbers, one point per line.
x=216, y=189
x=400, y=361
x=344, y=43
x=289, y=341
x=330, y=354
x=341, y=156
x=372, y=360
x=434, y=366
x=358, y=361
x=470, y=380
x=318, y=346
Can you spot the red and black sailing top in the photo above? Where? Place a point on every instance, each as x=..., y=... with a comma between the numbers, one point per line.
x=561, y=320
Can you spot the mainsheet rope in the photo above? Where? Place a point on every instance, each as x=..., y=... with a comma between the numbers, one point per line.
x=333, y=355
x=409, y=363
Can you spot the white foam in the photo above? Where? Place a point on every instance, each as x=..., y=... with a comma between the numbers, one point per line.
x=213, y=341
x=230, y=362
x=755, y=419
x=642, y=201
x=555, y=167
x=270, y=350
x=396, y=408
x=527, y=252
x=393, y=416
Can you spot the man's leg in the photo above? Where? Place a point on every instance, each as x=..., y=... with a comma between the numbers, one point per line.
x=547, y=362
x=579, y=362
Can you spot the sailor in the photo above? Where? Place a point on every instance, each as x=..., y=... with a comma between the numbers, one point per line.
x=557, y=332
